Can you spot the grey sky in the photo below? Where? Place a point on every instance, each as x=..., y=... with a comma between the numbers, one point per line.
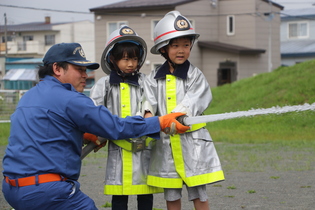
x=22, y=15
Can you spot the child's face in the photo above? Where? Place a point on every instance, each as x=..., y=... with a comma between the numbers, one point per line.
x=127, y=65
x=179, y=50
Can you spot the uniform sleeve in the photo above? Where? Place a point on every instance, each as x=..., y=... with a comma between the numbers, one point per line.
x=198, y=94
x=99, y=121
x=150, y=94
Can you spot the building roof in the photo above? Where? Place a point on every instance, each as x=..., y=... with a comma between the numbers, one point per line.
x=274, y=4
x=229, y=48
x=33, y=26
x=305, y=13
x=297, y=48
x=134, y=5
x=21, y=75
x=25, y=61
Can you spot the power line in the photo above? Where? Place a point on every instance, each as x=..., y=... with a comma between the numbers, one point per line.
x=293, y=2
x=133, y=15
x=43, y=9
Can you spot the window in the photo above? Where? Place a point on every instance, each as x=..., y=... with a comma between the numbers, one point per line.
x=49, y=40
x=9, y=39
x=27, y=38
x=298, y=30
x=112, y=26
x=22, y=45
x=230, y=25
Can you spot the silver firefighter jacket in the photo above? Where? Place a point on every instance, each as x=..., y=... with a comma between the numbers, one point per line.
x=126, y=171
x=193, y=159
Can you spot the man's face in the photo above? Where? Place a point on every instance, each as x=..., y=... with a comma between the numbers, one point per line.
x=75, y=75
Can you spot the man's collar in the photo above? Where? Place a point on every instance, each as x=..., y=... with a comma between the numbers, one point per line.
x=68, y=86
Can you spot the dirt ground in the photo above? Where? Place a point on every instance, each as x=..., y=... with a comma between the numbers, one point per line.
x=267, y=190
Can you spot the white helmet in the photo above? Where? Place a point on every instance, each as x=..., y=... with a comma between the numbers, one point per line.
x=124, y=34
x=172, y=25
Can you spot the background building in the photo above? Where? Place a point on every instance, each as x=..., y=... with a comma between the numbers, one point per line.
x=238, y=38
x=32, y=40
x=297, y=36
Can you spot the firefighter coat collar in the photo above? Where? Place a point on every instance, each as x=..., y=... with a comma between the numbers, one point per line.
x=180, y=71
x=116, y=79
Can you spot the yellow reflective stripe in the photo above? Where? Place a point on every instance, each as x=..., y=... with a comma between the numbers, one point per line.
x=126, y=158
x=148, y=140
x=170, y=92
x=171, y=103
x=125, y=110
x=124, y=144
x=204, y=178
x=195, y=127
x=127, y=187
x=178, y=156
x=165, y=182
x=126, y=171
x=125, y=107
x=134, y=190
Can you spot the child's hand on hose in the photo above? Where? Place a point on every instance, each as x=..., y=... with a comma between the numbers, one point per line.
x=170, y=125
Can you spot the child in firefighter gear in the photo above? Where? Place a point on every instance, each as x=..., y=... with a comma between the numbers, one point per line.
x=121, y=92
x=178, y=86
x=42, y=164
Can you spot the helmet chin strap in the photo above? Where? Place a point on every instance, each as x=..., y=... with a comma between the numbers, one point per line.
x=165, y=55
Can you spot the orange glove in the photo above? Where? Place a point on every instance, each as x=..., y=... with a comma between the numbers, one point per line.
x=91, y=137
x=170, y=125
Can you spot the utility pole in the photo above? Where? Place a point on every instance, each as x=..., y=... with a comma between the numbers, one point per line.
x=5, y=35
x=270, y=38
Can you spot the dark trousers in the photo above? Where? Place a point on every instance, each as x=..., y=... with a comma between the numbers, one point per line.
x=120, y=202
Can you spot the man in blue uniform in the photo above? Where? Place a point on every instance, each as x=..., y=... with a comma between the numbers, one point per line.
x=42, y=160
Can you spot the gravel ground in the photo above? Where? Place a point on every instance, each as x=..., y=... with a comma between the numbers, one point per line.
x=268, y=190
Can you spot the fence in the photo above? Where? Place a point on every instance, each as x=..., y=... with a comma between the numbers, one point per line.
x=8, y=102
x=10, y=98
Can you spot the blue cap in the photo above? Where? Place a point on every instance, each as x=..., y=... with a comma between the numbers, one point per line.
x=70, y=53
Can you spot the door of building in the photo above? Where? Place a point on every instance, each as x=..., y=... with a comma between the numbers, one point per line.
x=226, y=72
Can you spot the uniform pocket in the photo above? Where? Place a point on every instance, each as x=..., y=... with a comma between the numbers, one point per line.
x=201, y=134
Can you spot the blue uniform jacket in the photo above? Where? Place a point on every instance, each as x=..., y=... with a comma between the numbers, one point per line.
x=48, y=125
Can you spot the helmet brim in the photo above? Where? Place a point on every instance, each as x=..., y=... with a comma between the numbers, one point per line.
x=132, y=38
x=156, y=48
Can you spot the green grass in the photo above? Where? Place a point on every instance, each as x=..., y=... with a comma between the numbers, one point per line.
x=284, y=86
x=292, y=128
x=4, y=133
x=280, y=142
